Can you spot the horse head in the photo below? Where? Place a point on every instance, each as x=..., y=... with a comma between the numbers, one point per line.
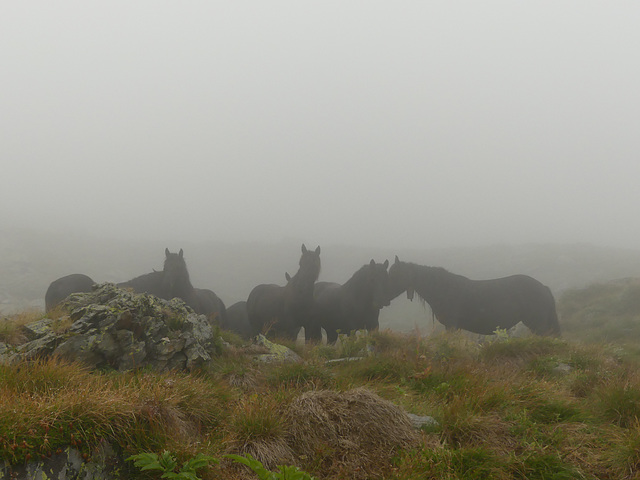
x=379, y=278
x=400, y=279
x=309, y=264
x=175, y=273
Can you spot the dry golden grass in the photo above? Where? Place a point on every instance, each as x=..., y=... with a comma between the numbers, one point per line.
x=11, y=331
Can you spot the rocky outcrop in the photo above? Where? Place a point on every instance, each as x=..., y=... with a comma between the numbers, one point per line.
x=115, y=328
x=105, y=464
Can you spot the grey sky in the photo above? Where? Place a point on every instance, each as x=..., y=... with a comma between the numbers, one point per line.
x=376, y=123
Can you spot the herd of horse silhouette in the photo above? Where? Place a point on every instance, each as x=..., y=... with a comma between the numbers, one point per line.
x=478, y=306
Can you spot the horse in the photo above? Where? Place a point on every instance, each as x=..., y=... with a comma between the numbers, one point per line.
x=237, y=320
x=478, y=306
x=173, y=281
x=281, y=311
x=64, y=286
x=353, y=306
x=209, y=304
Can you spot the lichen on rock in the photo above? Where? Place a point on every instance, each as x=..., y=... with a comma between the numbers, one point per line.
x=117, y=328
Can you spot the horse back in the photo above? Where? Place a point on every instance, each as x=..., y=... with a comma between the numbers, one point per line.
x=526, y=291
x=484, y=305
x=237, y=320
x=265, y=304
x=64, y=286
x=209, y=304
x=148, y=283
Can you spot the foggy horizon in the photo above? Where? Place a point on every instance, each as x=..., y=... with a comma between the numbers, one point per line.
x=414, y=125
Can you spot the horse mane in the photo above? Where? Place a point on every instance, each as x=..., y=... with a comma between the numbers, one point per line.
x=436, y=275
x=358, y=275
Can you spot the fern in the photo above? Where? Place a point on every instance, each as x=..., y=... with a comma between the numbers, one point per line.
x=285, y=472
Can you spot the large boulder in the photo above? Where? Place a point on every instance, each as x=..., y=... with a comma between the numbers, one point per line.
x=117, y=328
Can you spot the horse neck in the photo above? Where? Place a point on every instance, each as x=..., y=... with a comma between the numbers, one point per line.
x=182, y=286
x=431, y=282
x=359, y=284
x=301, y=284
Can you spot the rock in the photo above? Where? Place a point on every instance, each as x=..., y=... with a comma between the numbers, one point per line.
x=562, y=368
x=37, y=329
x=38, y=348
x=69, y=465
x=345, y=359
x=277, y=353
x=120, y=329
x=422, y=421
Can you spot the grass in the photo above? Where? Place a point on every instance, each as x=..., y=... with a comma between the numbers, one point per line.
x=504, y=408
x=600, y=313
x=11, y=331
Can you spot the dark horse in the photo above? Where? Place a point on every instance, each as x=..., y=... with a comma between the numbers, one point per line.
x=209, y=304
x=237, y=320
x=479, y=306
x=65, y=286
x=354, y=305
x=281, y=311
x=173, y=281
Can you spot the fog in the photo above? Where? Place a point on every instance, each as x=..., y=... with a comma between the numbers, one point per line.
x=395, y=124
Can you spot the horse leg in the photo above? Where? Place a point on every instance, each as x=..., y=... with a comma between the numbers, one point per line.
x=332, y=336
x=372, y=324
x=312, y=334
x=292, y=334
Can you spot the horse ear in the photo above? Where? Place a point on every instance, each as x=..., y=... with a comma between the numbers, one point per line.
x=372, y=263
x=304, y=249
x=166, y=252
x=287, y=276
x=397, y=259
x=318, y=250
x=386, y=263
x=180, y=253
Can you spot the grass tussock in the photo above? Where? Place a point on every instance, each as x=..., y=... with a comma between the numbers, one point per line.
x=257, y=427
x=355, y=431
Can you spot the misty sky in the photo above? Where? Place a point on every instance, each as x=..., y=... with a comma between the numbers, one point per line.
x=417, y=123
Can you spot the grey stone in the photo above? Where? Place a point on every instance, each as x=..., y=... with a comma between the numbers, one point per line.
x=419, y=421
x=345, y=359
x=562, y=368
x=277, y=353
x=68, y=465
x=37, y=329
x=41, y=347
